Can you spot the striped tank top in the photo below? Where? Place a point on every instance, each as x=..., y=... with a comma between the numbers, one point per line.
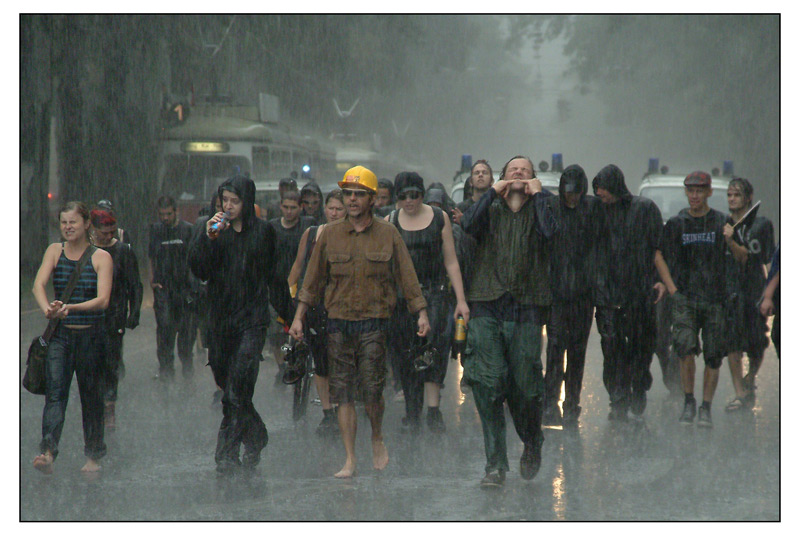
x=85, y=290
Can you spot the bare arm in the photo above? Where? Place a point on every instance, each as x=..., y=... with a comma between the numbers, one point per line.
x=294, y=273
x=739, y=252
x=43, y=276
x=454, y=270
x=767, y=306
x=663, y=273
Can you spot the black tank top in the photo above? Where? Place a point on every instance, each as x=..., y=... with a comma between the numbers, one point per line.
x=425, y=248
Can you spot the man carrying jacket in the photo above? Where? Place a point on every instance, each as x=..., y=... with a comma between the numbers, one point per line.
x=238, y=262
x=509, y=300
x=571, y=313
x=628, y=231
x=357, y=264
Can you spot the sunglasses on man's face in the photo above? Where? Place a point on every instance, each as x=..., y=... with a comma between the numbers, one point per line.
x=347, y=192
x=413, y=194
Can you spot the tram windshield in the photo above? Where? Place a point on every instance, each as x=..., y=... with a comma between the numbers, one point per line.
x=195, y=177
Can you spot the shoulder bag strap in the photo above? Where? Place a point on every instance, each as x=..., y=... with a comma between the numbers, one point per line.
x=73, y=281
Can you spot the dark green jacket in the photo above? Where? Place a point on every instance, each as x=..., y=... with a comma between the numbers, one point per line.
x=513, y=251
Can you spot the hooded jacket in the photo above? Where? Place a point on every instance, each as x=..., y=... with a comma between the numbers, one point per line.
x=319, y=217
x=571, y=248
x=627, y=236
x=239, y=268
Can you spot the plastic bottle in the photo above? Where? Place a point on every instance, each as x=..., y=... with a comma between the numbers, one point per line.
x=215, y=228
x=459, y=338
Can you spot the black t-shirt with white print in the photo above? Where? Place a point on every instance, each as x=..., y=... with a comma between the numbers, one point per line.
x=694, y=249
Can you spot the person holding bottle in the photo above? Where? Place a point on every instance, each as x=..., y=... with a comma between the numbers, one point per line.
x=428, y=235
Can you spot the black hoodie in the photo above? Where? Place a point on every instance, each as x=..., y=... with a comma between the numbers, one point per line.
x=239, y=268
x=571, y=247
x=319, y=217
x=628, y=234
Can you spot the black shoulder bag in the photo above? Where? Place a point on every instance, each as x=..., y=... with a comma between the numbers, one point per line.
x=35, y=379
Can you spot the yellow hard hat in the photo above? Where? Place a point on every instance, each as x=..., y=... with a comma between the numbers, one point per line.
x=359, y=177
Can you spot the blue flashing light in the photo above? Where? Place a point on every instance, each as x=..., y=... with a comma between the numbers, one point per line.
x=652, y=165
x=306, y=168
x=558, y=162
x=727, y=168
x=466, y=162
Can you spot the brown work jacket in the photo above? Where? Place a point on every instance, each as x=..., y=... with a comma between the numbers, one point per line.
x=360, y=272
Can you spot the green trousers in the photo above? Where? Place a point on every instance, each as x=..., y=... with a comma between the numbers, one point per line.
x=502, y=362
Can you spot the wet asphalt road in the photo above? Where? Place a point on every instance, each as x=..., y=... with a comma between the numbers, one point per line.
x=160, y=458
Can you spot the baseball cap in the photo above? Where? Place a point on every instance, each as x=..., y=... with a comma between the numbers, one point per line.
x=359, y=177
x=697, y=178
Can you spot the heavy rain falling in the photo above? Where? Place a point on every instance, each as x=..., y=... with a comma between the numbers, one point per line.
x=143, y=117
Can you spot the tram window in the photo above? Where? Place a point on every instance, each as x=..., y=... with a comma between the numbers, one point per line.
x=190, y=177
x=281, y=164
x=261, y=162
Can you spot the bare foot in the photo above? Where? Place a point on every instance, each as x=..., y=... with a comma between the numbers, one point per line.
x=380, y=455
x=348, y=471
x=44, y=463
x=91, y=466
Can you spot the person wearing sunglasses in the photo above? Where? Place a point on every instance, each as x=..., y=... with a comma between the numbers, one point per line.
x=428, y=235
x=357, y=264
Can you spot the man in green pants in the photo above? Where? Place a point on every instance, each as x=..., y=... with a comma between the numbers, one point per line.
x=509, y=300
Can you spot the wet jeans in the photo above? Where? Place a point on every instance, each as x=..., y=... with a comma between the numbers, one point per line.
x=234, y=360
x=567, y=332
x=173, y=318
x=114, y=367
x=78, y=351
x=627, y=337
x=502, y=362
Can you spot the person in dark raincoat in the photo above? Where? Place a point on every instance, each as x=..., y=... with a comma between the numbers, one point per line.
x=123, y=308
x=770, y=302
x=571, y=281
x=311, y=203
x=628, y=232
x=238, y=263
x=509, y=301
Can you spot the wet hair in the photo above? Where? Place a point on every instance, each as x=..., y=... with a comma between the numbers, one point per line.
x=503, y=173
x=386, y=183
x=287, y=183
x=77, y=206
x=102, y=218
x=291, y=195
x=166, y=201
x=744, y=186
x=409, y=179
x=485, y=163
x=335, y=194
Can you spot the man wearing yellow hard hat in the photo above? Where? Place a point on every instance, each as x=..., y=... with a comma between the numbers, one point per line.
x=356, y=266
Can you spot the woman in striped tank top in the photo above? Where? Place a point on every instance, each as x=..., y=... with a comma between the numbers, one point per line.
x=77, y=346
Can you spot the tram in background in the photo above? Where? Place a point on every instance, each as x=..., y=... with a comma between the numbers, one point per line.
x=210, y=142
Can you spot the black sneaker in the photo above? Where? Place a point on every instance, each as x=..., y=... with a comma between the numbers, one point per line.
x=435, y=421
x=410, y=425
x=251, y=457
x=228, y=466
x=329, y=425
x=552, y=416
x=494, y=479
x=530, y=461
x=570, y=419
x=704, y=417
x=618, y=414
x=689, y=411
